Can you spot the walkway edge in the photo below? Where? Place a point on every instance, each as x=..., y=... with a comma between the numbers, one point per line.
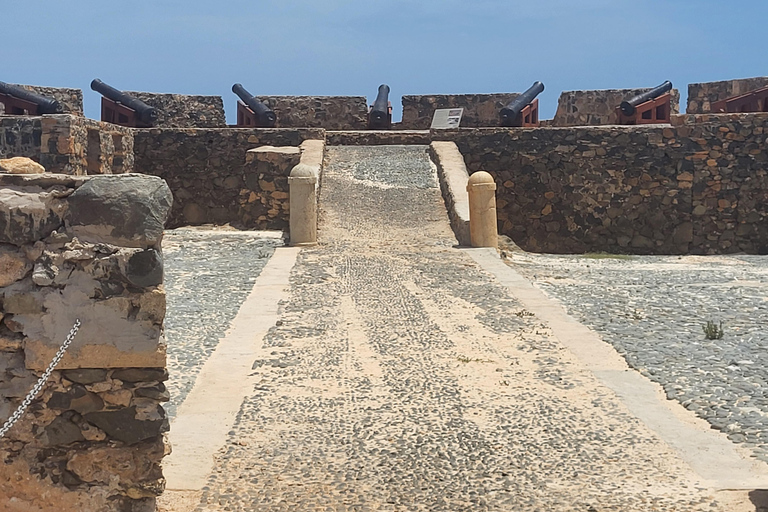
x=710, y=454
x=204, y=419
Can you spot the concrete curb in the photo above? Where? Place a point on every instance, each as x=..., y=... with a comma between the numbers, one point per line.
x=711, y=455
x=453, y=177
x=204, y=419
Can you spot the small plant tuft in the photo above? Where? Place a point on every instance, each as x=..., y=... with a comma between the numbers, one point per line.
x=713, y=331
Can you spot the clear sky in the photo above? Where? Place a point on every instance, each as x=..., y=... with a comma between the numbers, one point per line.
x=349, y=47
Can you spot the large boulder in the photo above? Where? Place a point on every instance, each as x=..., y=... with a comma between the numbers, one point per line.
x=129, y=210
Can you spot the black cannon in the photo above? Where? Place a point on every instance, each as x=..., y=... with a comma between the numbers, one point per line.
x=650, y=107
x=17, y=100
x=256, y=114
x=380, y=114
x=628, y=107
x=123, y=109
x=523, y=110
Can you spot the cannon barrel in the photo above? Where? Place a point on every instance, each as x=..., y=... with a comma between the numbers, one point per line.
x=45, y=105
x=628, y=107
x=512, y=110
x=145, y=113
x=265, y=116
x=380, y=109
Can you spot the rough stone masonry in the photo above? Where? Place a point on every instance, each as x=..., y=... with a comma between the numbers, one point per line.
x=88, y=248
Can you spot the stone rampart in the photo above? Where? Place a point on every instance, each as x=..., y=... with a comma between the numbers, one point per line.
x=597, y=108
x=701, y=96
x=329, y=112
x=68, y=144
x=480, y=110
x=185, y=111
x=211, y=180
x=699, y=186
x=71, y=100
x=85, y=248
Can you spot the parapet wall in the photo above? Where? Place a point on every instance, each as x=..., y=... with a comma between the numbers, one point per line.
x=329, y=112
x=71, y=100
x=701, y=96
x=699, y=186
x=598, y=108
x=185, y=111
x=68, y=144
x=211, y=180
x=83, y=248
x=480, y=110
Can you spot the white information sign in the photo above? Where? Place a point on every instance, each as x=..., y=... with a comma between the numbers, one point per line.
x=447, y=118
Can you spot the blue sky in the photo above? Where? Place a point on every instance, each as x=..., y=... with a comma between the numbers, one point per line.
x=349, y=47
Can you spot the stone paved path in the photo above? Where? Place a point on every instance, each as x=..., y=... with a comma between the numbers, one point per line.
x=404, y=377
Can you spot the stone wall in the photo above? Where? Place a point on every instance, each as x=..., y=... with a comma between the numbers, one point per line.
x=480, y=110
x=329, y=112
x=699, y=186
x=83, y=248
x=701, y=96
x=594, y=108
x=211, y=180
x=71, y=100
x=68, y=144
x=185, y=111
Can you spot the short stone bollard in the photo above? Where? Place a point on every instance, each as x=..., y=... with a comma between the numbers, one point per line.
x=303, y=205
x=483, y=231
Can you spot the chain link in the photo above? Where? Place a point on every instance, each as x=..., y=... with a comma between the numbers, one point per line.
x=40, y=383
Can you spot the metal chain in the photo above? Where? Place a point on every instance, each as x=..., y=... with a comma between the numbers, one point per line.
x=40, y=383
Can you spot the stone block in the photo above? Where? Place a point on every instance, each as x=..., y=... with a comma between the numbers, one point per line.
x=125, y=210
x=29, y=214
x=20, y=165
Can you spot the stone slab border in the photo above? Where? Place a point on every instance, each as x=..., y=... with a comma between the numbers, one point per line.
x=710, y=454
x=453, y=177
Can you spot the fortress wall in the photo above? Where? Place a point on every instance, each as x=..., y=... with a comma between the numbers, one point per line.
x=702, y=95
x=597, y=108
x=698, y=187
x=211, y=179
x=68, y=144
x=71, y=100
x=185, y=111
x=88, y=248
x=328, y=112
x=480, y=110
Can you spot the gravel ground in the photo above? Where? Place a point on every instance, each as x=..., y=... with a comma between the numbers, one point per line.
x=208, y=275
x=652, y=309
x=403, y=378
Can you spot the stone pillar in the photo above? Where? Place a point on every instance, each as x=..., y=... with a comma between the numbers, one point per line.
x=483, y=230
x=88, y=248
x=303, y=205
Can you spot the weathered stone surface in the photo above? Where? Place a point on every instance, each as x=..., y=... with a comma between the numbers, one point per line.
x=480, y=110
x=329, y=112
x=123, y=425
x=185, y=111
x=13, y=265
x=61, y=431
x=71, y=100
x=585, y=108
x=145, y=268
x=140, y=374
x=20, y=165
x=127, y=210
x=77, y=399
x=29, y=214
x=85, y=375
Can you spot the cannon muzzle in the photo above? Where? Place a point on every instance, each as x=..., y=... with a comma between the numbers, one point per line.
x=146, y=114
x=628, y=107
x=379, y=116
x=45, y=105
x=265, y=117
x=510, y=113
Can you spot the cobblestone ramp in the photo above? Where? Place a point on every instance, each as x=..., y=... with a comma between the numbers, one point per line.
x=403, y=377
